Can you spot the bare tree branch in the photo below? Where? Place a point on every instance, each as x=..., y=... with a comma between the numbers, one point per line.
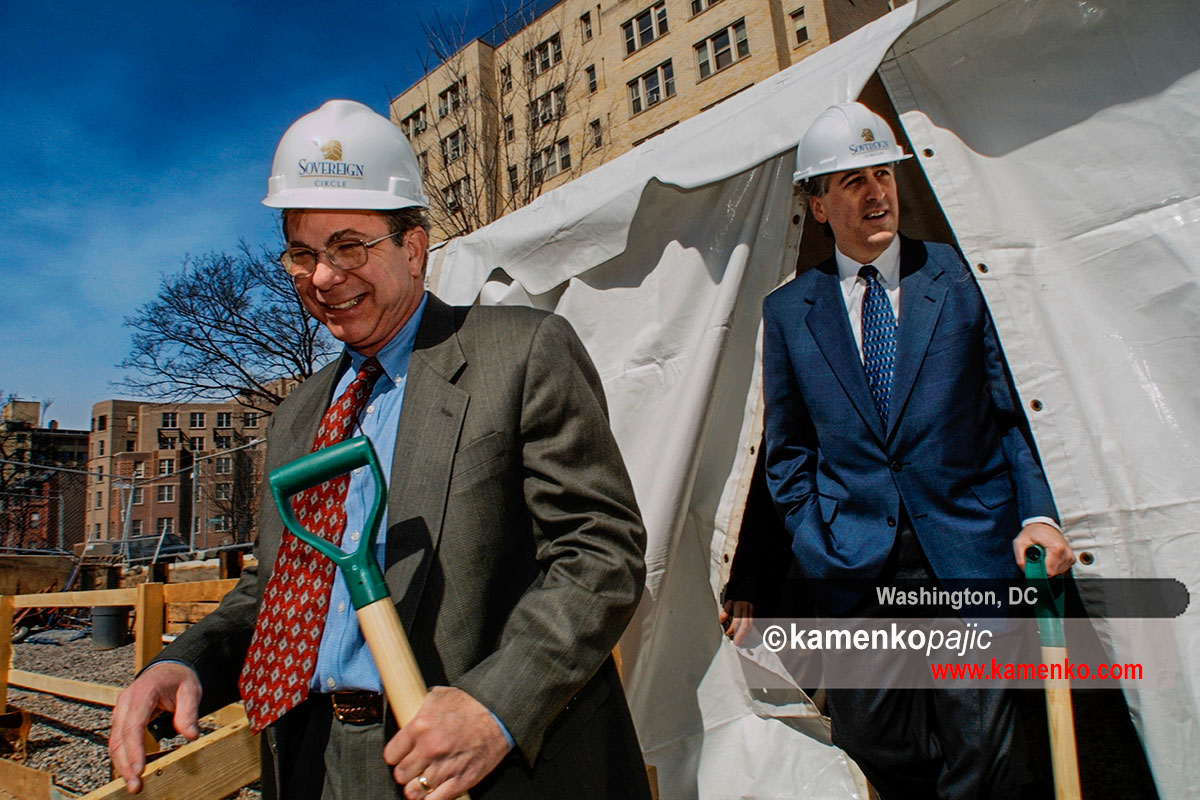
x=227, y=325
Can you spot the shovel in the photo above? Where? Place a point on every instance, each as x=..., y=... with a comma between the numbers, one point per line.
x=1049, y=608
x=401, y=677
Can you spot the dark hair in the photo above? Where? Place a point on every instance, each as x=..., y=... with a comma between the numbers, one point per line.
x=399, y=220
x=816, y=186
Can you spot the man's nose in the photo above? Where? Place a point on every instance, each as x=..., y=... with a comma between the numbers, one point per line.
x=325, y=275
x=875, y=188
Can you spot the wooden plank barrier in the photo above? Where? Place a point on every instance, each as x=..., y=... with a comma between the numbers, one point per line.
x=212, y=767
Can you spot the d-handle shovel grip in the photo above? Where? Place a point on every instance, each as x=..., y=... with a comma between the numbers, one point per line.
x=360, y=568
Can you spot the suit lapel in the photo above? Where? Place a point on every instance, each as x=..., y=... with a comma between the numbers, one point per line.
x=830, y=328
x=426, y=441
x=921, y=300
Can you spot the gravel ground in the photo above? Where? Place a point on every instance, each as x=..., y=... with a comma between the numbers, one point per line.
x=69, y=739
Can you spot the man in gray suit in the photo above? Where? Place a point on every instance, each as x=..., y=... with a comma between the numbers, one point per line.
x=512, y=545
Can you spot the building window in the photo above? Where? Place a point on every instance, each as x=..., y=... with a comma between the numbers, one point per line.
x=221, y=522
x=99, y=499
x=169, y=420
x=597, y=133
x=451, y=98
x=129, y=445
x=164, y=526
x=423, y=161
x=652, y=88
x=702, y=5
x=223, y=465
x=722, y=49
x=166, y=493
x=100, y=447
x=510, y=131
x=166, y=466
x=454, y=145
x=196, y=419
x=645, y=28
x=102, y=422
x=414, y=123
x=550, y=106
x=585, y=25
x=166, y=442
x=801, y=25
x=250, y=419
x=135, y=527
x=551, y=160
x=196, y=444
x=591, y=78
x=139, y=469
x=544, y=56
x=513, y=181
x=131, y=424
x=455, y=195
x=224, y=419
x=505, y=79
x=222, y=442
x=139, y=495
x=222, y=491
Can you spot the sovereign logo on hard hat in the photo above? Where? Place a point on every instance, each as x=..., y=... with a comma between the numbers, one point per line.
x=869, y=144
x=331, y=164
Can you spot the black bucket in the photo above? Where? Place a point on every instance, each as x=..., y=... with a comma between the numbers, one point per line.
x=110, y=627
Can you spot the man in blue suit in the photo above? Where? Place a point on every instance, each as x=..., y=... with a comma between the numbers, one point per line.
x=896, y=448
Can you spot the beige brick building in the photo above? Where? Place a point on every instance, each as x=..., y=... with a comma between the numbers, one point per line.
x=520, y=111
x=182, y=469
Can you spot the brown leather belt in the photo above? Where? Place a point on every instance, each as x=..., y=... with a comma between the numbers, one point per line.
x=357, y=708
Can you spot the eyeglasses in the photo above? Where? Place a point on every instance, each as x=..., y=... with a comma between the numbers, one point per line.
x=300, y=262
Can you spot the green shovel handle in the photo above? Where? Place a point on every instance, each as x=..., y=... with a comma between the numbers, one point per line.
x=1051, y=597
x=360, y=568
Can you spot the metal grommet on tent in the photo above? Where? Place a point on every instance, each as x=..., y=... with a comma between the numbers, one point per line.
x=982, y=268
x=1036, y=405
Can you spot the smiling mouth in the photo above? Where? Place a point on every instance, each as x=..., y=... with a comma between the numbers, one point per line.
x=876, y=215
x=351, y=303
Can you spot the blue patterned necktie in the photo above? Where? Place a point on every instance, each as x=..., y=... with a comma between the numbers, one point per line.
x=878, y=340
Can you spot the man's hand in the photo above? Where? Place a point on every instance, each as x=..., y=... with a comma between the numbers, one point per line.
x=737, y=618
x=452, y=742
x=1059, y=556
x=167, y=687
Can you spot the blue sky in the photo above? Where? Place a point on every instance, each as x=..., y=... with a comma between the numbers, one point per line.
x=135, y=133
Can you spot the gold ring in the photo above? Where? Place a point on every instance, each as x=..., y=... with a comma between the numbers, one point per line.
x=421, y=779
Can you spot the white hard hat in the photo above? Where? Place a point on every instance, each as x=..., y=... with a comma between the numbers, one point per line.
x=344, y=156
x=845, y=136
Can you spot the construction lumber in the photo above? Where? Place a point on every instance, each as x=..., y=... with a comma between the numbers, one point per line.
x=6, y=618
x=209, y=768
x=148, y=624
x=24, y=783
x=96, y=693
x=198, y=591
x=99, y=597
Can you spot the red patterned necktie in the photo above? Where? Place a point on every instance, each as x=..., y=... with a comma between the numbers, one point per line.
x=283, y=652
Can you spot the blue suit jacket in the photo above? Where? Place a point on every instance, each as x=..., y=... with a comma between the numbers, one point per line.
x=956, y=452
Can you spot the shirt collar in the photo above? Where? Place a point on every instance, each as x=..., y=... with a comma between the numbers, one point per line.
x=888, y=264
x=394, y=355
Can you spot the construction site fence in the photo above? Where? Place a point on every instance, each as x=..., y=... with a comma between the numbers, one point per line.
x=212, y=767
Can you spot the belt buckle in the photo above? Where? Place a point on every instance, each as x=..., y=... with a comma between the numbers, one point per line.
x=357, y=708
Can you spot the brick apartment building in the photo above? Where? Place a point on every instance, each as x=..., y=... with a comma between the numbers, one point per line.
x=188, y=470
x=520, y=111
x=41, y=499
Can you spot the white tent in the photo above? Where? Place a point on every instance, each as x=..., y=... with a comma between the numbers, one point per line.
x=1060, y=138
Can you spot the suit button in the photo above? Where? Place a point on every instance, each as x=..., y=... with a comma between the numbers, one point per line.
x=897, y=466
x=891, y=522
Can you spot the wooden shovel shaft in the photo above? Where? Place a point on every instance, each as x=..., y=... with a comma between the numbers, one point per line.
x=1062, y=729
x=401, y=677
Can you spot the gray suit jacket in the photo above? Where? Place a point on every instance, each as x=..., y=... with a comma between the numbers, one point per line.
x=514, y=546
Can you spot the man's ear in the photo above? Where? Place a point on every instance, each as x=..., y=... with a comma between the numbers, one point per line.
x=416, y=246
x=817, y=207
